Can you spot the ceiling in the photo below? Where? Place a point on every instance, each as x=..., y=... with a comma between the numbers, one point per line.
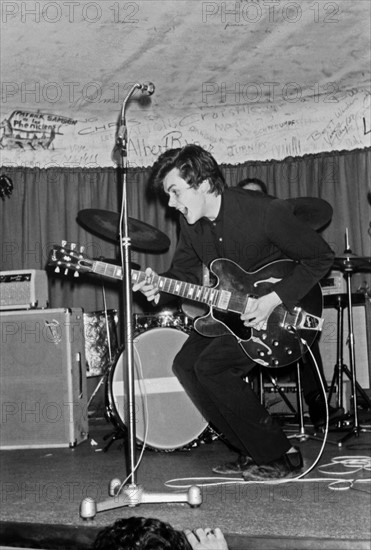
x=79, y=59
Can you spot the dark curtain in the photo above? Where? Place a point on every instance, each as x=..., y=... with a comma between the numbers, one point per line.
x=45, y=202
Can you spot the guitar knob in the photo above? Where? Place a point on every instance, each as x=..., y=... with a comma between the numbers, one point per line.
x=66, y=271
x=275, y=343
x=289, y=351
x=261, y=353
x=275, y=362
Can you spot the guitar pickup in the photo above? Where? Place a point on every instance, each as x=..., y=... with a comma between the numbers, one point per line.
x=224, y=299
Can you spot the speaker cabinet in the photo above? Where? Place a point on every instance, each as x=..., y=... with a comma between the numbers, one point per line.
x=362, y=341
x=43, y=379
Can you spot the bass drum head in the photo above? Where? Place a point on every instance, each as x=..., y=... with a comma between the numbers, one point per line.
x=170, y=418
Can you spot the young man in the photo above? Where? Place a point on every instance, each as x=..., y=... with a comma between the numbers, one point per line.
x=311, y=384
x=252, y=230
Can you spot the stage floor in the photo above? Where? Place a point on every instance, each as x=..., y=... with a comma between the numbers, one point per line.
x=44, y=488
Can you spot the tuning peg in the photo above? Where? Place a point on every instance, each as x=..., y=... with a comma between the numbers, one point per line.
x=82, y=249
x=64, y=243
x=57, y=270
x=76, y=274
x=73, y=246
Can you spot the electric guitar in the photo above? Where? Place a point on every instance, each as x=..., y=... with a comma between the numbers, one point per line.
x=280, y=344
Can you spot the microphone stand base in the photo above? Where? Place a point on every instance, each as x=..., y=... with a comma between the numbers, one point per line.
x=133, y=495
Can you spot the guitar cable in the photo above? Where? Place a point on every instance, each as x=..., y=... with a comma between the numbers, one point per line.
x=144, y=395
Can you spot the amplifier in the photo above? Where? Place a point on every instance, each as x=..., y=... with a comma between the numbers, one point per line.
x=23, y=289
x=275, y=404
x=333, y=283
x=43, y=391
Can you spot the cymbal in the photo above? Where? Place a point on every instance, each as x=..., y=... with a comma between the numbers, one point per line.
x=314, y=211
x=351, y=262
x=106, y=224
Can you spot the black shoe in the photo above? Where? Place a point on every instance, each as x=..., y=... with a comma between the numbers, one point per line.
x=235, y=468
x=287, y=466
x=317, y=412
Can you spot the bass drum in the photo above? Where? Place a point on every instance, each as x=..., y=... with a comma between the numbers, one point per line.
x=165, y=417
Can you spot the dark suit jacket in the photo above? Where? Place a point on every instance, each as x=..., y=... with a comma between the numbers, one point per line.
x=256, y=229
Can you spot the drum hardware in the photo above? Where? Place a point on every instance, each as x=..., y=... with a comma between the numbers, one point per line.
x=164, y=318
x=348, y=263
x=131, y=494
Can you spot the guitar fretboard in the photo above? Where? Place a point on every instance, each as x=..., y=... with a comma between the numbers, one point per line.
x=198, y=293
x=107, y=270
x=203, y=294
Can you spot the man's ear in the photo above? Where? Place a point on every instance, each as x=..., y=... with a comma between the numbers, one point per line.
x=205, y=185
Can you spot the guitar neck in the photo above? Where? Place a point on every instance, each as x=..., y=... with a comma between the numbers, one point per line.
x=203, y=294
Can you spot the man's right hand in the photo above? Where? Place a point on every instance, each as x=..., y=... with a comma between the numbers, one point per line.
x=147, y=287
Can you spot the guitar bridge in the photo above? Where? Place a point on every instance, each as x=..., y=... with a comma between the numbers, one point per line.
x=302, y=320
x=308, y=321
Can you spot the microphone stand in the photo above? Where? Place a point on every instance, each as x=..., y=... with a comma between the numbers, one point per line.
x=130, y=494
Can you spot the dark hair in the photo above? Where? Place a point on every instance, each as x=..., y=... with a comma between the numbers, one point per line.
x=194, y=165
x=256, y=181
x=137, y=533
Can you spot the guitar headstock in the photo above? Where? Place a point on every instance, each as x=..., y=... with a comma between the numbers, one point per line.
x=69, y=257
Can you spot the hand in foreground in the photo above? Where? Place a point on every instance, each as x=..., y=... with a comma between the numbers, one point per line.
x=206, y=539
x=147, y=287
x=258, y=310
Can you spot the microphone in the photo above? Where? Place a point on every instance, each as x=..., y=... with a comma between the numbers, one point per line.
x=147, y=88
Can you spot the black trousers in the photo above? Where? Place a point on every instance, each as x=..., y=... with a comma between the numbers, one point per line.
x=211, y=370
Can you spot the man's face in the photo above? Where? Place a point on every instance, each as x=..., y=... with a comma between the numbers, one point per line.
x=190, y=202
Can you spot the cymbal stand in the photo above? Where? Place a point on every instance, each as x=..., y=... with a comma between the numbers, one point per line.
x=351, y=372
x=340, y=367
x=130, y=494
x=338, y=379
